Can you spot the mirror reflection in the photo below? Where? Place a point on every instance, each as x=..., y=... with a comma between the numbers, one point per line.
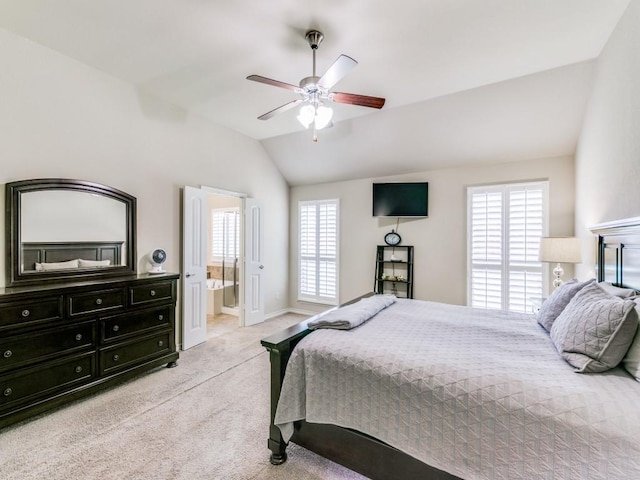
x=64, y=229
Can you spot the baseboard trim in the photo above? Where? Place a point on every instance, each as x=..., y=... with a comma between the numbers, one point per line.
x=275, y=314
x=303, y=312
x=284, y=311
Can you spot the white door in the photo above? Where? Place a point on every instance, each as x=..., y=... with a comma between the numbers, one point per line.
x=194, y=264
x=254, y=264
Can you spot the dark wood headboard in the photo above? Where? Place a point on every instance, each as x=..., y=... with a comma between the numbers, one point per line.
x=47, y=252
x=619, y=252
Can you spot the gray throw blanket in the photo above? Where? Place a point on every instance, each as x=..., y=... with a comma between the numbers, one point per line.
x=350, y=316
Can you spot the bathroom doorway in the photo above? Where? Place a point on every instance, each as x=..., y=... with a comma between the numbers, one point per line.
x=223, y=262
x=198, y=260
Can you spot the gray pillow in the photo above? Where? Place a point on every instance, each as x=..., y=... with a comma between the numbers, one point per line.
x=558, y=300
x=594, y=332
x=631, y=361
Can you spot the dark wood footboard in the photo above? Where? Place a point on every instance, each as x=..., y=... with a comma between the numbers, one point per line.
x=280, y=347
x=354, y=450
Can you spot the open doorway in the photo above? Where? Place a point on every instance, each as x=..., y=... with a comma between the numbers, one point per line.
x=223, y=263
x=244, y=295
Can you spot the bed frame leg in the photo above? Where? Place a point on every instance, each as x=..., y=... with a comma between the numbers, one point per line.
x=278, y=458
x=276, y=443
x=280, y=347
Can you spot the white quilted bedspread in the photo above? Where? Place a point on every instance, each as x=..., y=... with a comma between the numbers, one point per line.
x=480, y=394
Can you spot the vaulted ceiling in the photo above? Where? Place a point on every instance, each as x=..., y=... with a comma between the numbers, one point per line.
x=466, y=81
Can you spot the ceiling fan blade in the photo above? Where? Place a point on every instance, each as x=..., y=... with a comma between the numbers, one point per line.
x=275, y=83
x=337, y=71
x=353, y=99
x=280, y=109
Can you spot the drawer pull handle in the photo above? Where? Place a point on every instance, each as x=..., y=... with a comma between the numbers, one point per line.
x=160, y=317
x=116, y=328
x=8, y=353
x=98, y=301
x=7, y=391
x=116, y=358
x=152, y=293
x=78, y=336
x=78, y=369
x=160, y=343
x=26, y=313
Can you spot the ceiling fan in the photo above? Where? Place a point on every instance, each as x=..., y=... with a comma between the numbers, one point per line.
x=314, y=91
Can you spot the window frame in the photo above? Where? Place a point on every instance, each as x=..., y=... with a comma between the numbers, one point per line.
x=506, y=267
x=317, y=298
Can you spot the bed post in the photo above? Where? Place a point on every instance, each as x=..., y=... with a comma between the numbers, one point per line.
x=276, y=444
x=279, y=347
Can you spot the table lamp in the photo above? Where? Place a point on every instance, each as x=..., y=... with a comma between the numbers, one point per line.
x=559, y=250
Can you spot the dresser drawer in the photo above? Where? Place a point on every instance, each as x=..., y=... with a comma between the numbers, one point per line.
x=30, y=312
x=120, y=326
x=30, y=384
x=22, y=350
x=151, y=292
x=131, y=353
x=96, y=302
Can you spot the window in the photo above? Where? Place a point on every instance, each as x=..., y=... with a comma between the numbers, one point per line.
x=318, y=247
x=505, y=223
x=225, y=234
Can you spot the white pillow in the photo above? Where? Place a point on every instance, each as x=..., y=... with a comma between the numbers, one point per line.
x=43, y=267
x=617, y=291
x=94, y=263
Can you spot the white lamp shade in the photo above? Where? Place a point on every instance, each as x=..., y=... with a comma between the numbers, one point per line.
x=560, y=250
x=323, y=116
x=306, y=116
x=310, y=114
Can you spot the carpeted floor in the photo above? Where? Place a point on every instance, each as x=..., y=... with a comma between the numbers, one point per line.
x=206, y=419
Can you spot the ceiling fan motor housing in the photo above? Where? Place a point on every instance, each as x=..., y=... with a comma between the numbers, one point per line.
x=310, y=84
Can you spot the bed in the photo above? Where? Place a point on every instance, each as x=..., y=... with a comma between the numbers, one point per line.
x=467, y=393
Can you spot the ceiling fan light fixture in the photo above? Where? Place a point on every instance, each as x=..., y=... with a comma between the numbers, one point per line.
x=323, y=116
x=314, y=89
x=306, y=115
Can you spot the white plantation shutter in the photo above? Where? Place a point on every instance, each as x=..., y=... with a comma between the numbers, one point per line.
x=225, y=234
x=486, y=249
x=527, y=221
x=318, y=246
x=505, y=223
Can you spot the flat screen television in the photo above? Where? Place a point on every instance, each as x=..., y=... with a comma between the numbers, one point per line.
x=401, y=199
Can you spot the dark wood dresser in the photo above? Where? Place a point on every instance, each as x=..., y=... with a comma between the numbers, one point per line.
x=66, y=340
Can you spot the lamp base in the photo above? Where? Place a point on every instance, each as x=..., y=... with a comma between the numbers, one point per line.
x=558, y=272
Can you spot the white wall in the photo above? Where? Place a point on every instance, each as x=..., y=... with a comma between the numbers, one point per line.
x=608, y=154
x=60, y=118
x=440, y=240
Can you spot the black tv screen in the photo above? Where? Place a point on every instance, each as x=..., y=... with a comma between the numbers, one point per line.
x=401, y=199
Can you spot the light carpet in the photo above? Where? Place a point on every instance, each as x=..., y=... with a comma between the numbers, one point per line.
x=206, y=419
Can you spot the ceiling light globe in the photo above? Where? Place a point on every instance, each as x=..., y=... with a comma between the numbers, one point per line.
x=323, y=116
x=306, y=115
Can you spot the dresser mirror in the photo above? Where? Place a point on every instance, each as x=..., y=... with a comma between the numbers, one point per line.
x=63, y=230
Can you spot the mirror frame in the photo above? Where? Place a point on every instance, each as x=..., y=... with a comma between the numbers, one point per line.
x=13, y=193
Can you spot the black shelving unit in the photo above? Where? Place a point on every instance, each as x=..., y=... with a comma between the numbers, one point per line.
x=394, y=270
